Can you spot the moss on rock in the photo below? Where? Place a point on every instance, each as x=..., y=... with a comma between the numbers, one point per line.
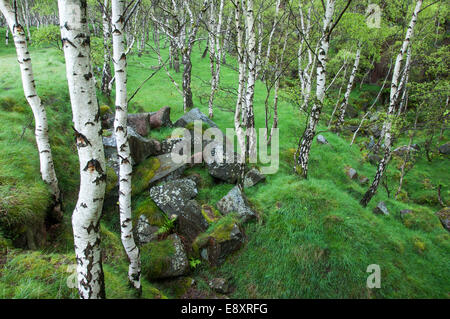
x=143, y=174
x=421, y=219
x=148, y=208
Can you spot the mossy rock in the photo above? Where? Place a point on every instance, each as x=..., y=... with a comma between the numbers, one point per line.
x=111, y=179
x=176, y=288
x=421, y=219
x=419, y=245
x=143, y=174
x=148, y=208
x=210, y=213
x=104, y=110
x=222, y=239
x=191, y=127
x=164, y=259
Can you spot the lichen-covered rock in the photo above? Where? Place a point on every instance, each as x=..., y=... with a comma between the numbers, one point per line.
x=220, y=241
x=381, y=209
x=235, y=202
x=444, y=217
x=223, y=165
x=219, y=285
x=144, y=231
x=164, y=259
x=321, y=139
x=194, y=115
x=176, y=198
x=253, y=177
x=140, y=147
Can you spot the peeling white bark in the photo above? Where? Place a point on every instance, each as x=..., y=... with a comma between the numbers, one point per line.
x=40, y=116
x=392, y=105
x=123, y=147
x=86, y=119
x=344, y=104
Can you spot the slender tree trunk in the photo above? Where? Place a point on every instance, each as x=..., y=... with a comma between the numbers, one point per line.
x=392, y=104
x=241, y=86
x=309, y=133
x=188, y=103
x=106, y=73
x=344, y=104
x=123, y=147
x=251, y=79
x=40, y=115
x=86, y=119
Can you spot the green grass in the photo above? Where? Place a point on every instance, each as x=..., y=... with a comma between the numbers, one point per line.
x=313, y=240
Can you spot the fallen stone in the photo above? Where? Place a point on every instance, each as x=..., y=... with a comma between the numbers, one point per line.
x=226, y=238
x=176, y=198
x=194, y=115
x=236, y=202
x=140, y=147
x=145, y=232
x=363, y=180
x=253, y=177
x=160, y=118
x=219, y=285
x=351, y=173
x=402, y=150
x=444, y=149
x=140, y=122
x=444, y=217
x=321, y=139
x=381, y=209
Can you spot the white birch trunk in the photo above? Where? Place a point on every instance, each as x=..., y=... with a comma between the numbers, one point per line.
x=392, y=104
x=309, y=133
x=344, y=104
x=86, y=119
x=40, y=116
x=123, y=147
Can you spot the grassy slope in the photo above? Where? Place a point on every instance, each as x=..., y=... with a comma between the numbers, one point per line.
x=314, y=239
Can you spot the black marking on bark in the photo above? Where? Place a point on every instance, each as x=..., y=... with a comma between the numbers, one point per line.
x=101, y=178
x=65, y=40
x=83, y=205
x=94, y=165
x=80, y=139
x=88, y=76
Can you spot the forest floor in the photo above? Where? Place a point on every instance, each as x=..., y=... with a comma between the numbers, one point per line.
x=312, y=240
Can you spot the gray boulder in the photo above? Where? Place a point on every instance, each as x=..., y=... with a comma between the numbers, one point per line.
x=194, y=115
x=381, y=209
x=219, y=285
x=176, y=198
x=321, y=139
x=351, y=173
x=445, y=149
x=253, y=177
x=216, y=246
x=236, y=202
x=222, y=165
x=140, y=147
x=144, y=231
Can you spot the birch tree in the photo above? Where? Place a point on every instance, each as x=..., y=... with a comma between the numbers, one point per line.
x=106, y=72
x=40, y=115
x=344, y=103
x=88, y=132
x=215, y=51
x=392, y=107
x=123, y=147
